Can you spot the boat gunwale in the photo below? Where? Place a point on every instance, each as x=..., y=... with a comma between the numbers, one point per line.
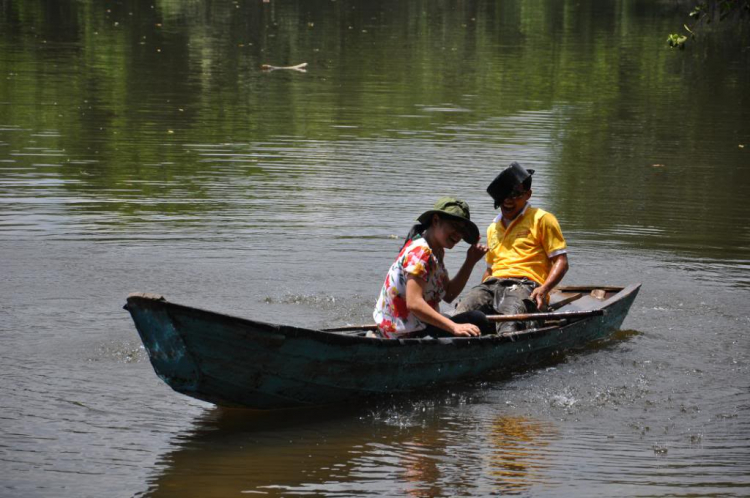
x=323, y=336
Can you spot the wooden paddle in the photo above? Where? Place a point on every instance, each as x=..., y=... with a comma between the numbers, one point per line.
x=499, y=318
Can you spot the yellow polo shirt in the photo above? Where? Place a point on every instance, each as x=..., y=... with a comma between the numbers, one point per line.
x=526, y=247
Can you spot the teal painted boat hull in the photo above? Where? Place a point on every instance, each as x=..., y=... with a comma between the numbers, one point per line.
x=231, y=361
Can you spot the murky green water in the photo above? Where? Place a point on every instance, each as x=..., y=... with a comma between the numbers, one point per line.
x=143, y=149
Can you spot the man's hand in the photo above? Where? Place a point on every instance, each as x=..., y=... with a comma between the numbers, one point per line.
x=539, y=296
x=556, y=273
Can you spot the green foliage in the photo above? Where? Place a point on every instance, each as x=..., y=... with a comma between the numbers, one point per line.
x=677, y=41
x=705, y=12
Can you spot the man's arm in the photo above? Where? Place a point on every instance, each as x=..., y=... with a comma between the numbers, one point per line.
x=556, y=274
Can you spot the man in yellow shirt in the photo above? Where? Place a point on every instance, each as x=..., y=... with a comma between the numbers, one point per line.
x=527, y=253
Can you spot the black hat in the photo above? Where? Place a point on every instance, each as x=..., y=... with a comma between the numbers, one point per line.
x=506, y=181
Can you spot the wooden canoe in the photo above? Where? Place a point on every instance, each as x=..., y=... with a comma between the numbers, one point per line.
x=231, y=361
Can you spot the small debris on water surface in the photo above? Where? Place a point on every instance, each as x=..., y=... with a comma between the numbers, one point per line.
x=299, y=67
x=660, y=449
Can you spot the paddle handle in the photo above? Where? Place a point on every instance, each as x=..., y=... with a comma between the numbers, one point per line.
x=544, y=316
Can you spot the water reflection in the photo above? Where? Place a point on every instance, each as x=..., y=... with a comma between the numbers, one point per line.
x=519, y=457
x=157, y=113
x=421, y=469
x=347, y=452
x=233, y=451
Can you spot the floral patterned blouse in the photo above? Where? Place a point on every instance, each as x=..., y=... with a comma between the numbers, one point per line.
x=391, y=314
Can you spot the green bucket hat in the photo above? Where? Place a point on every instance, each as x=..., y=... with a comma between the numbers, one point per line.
x=457, y=210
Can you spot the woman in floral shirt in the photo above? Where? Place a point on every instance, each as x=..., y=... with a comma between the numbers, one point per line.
x=409, y=303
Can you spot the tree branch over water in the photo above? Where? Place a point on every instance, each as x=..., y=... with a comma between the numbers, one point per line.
x=703, y=13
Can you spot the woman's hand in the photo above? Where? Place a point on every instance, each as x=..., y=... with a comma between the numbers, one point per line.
x=476, y=252
x=465, y=330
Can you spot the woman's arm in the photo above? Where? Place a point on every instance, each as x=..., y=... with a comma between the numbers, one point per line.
x=457, y=283
x=416, y=304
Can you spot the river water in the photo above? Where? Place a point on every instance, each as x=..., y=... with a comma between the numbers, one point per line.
x=143, y=149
